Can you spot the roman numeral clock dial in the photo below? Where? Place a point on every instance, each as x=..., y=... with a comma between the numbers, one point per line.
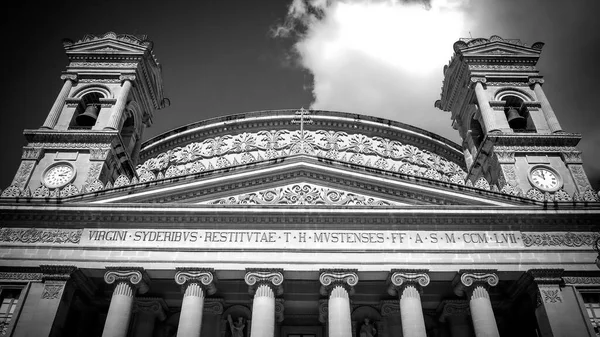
x=545, y=178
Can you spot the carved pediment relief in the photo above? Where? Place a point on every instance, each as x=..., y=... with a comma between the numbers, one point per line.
x=302, y=194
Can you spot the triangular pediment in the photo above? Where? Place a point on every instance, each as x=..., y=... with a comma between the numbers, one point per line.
x=108, y=43
x=500, y=48
x=302, y=181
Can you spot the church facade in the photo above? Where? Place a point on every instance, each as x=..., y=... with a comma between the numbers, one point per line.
x=299, y=223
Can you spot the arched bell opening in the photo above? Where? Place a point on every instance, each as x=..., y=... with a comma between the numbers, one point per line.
x=517, y=114
x=87, y=112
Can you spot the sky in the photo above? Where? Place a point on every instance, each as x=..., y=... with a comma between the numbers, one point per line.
x=380, y=57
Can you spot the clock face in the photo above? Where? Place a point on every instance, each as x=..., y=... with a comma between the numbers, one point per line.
x=545, y=179
x=59, y=175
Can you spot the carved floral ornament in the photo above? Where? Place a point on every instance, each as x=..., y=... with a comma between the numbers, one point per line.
x=302, y=194
x=202, y=277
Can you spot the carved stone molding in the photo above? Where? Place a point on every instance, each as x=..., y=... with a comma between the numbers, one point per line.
x=99, y=153
x=213, y=306
x=203, y=277
x=23, y=173
x=127, y=77
x=534, y=80
x=540, y=285
x=271, y=277
x=57, y=272
x=20, y=276
x=453, y=308
x=572, y=157
x=71, y=77
x=135, y=276
x=582, y=281
x=331, y=278
x=32, y=153
x=505, y=157
x=389, y=308
x=478, y=79
x=568, y=239
x=466, y=280
x=34, y=235
x=279, y=310
x=400, y=278
x=154, y=305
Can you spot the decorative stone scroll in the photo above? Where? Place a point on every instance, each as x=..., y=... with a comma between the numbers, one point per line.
x=347, y=278
x=203, y=277
x=323, y=311
x=582, y=281
x=213, y=306
x=153, y=305
x=568, y=239
x=303, y=194
x=135, y=276
x=271, y=277
x=401, y=278
x=454, y=308
x=471, y=278
x=389, y=308
x=34, y=235
x=230, y=150
x=279, y=309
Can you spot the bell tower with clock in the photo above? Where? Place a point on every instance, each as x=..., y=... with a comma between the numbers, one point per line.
x=510, y=133
x=93, y=132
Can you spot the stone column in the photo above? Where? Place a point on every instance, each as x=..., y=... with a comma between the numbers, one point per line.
x=147, y=311
x=408, y=284
x=127, y=281
x=456, y=313
x=339, y=285
x=60, y=101
x=546, y=107
x=117, y=112
x=194, y=283
x=264, y=285
x=487, y=113
x=474, y=284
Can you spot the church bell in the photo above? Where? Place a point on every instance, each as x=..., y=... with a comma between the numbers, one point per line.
x=515, y=120
x=89, y=116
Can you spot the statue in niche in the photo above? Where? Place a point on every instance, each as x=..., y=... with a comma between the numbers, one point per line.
x=237, y=328
x=367, y=329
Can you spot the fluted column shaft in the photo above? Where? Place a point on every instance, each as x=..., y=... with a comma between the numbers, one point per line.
x=119, y=107
x=487, y=113
x=54, y=114
x=482, y=314
x=263, y=312
x=411, y=311
x=119, y=312
x=547, y=108
x=190, y=319
x=340, y=324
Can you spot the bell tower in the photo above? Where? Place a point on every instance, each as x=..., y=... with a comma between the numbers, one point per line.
x=510, y=133
x=93, y=132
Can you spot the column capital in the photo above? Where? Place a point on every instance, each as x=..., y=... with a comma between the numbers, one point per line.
x=453, y=308
x=271, y=277
x=400, y=278
x=534, y=80
x=135, y=276
x=330, y=278
x=127, y=77
x=204, y=277
x=478, y=79
x=279, y=309
x=470, y=278
x=154, y=305
x=67, y=76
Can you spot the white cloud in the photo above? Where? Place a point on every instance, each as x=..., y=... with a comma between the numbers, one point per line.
x=380, y=58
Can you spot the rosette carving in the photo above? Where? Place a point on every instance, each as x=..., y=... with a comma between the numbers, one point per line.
x=402, y=278
x=272, y=278
x=470, y=279
x=331, y=278
x=136, y=277
x=203, y=277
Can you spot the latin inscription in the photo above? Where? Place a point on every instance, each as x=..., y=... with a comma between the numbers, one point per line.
x=369, y=240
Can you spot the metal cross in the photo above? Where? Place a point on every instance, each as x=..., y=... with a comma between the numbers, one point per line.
x=302, y=120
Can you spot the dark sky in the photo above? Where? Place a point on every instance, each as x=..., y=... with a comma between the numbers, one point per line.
x=219, y=58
